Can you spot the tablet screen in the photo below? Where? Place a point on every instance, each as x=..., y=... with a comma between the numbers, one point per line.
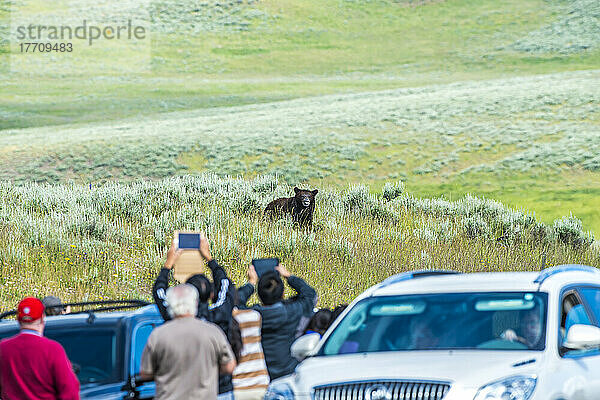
x=189, y=241
x=263, y=265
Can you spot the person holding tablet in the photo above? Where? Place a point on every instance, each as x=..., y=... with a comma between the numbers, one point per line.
x=222, y=294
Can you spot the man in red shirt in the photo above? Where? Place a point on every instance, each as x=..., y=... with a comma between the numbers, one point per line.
x=32, y=366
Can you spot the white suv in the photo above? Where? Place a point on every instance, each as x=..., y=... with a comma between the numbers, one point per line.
x=429, y=335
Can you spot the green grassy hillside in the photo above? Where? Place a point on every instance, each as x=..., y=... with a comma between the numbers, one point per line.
x=214, y=53
x=109, y=241
x=532, y=142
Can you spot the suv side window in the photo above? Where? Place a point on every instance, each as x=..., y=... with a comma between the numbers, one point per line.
x=139, y=342
x=573, y=312
x=591, y=296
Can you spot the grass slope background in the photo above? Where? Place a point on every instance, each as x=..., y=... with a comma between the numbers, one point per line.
x=533, y=142
x=207, y=54
x=224, y=52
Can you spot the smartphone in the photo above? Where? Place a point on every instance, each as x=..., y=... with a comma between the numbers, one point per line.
x=264, y=265
x=188, y=240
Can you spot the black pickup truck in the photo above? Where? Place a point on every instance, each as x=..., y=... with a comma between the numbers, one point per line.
x=104, y=341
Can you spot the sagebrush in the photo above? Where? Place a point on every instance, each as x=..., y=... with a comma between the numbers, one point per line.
x=86, y=242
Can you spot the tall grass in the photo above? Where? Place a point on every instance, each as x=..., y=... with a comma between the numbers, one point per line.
x=82, y=242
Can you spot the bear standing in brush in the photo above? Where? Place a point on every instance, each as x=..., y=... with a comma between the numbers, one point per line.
x=301, y=206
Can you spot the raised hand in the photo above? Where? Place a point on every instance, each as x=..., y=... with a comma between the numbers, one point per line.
x=283, y=271
x=172, y=255
x=252, y=275
x=205, y=247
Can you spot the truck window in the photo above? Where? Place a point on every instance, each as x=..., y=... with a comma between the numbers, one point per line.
x=141, y=335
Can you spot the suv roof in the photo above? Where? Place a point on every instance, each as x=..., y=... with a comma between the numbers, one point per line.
x=407, y=283
x=92, y=307
x=102, y=317
x=92, y=316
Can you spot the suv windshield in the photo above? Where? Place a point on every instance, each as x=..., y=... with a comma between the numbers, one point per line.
x=93, y=353
x=499, y=321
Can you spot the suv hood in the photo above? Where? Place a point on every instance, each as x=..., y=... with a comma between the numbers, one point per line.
x=473, y=368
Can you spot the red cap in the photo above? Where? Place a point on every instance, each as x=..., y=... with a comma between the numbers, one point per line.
x=30, y=309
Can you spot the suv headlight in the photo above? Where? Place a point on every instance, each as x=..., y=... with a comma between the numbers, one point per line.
x=513, y=388
x=279, y=391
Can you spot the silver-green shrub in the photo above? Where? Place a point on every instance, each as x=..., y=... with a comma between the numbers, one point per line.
x=576, y=29
x=356, y=198
x=569, y=230
x=475, y=227
x=392, y=190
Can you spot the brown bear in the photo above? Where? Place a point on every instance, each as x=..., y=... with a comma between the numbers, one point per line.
x=301, y=206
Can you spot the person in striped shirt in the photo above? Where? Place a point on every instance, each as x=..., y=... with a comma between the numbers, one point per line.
x=250, y=378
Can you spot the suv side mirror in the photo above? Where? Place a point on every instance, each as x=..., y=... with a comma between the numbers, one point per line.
x=304, y=346
x=582, y=337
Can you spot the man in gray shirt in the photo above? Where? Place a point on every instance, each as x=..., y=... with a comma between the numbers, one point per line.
x=186, y=355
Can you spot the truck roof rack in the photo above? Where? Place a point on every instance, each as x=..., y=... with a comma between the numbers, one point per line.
x=90, y=307
x=551, y=271
x=408, y=275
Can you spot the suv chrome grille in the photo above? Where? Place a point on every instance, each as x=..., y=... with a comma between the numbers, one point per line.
x=382, y=390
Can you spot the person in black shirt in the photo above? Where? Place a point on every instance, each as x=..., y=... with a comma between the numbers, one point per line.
x=222, y=293
x=280, y=318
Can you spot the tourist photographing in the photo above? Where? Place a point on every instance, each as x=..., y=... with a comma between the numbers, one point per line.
x=280, y=318
x=219, y=312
